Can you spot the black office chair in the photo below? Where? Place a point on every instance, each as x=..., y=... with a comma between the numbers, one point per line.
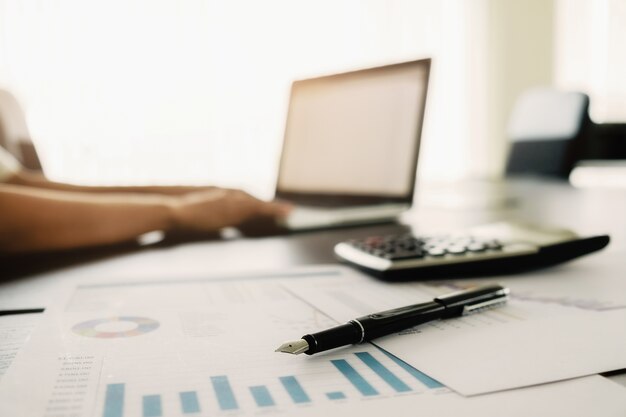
x=606, y=141
x=548, y=130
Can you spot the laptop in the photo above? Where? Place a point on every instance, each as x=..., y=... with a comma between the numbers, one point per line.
x=351, y=145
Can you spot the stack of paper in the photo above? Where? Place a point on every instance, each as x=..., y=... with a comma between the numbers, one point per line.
x=206, y=347
x=559, y=324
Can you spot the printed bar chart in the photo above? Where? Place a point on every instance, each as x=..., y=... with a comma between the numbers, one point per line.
x=366, y=373
x=114, y=401
x=262, y=396
x=380, y=370
x=224, y=393
x=335, y=395
x=420, y=376
x=152, y=406
x=189, y=402
x=354, y=377
x=294, y=389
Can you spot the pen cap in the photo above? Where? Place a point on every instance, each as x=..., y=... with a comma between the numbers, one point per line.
x=456, y=302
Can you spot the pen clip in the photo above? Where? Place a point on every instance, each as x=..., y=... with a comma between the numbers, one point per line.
x=474, y=308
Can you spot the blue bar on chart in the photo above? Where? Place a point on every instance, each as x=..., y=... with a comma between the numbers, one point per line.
x=225, y=395
x=152, y=406
x=335, y=395
x=393, y=381
x=189, y=402
x=420, y=376
x=262, y=396
x=294, y=389
x=114, y=401
x=354, y=377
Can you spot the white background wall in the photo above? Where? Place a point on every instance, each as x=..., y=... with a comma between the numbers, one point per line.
x=591, y=54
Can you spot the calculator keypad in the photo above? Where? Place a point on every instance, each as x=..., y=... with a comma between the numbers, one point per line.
x=396, y=248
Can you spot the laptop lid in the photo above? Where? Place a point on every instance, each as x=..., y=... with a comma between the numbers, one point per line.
x=353, y=138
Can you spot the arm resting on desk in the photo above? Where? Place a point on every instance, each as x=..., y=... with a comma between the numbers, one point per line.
x=33, y=219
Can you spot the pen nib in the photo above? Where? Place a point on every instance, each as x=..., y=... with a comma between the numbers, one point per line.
x=295, y=348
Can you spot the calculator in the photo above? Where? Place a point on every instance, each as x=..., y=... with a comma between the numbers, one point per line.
x=485, y=250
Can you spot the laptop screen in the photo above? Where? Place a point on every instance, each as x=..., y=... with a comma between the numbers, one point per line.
x=355, y=134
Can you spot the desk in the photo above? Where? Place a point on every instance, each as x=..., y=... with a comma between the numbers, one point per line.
x=438, y=208
x=587, y=211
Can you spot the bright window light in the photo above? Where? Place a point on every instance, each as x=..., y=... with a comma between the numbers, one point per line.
x=161, y=91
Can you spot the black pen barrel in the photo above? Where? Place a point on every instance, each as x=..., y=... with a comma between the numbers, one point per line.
x=373, y=326
x=393, y=321
x=346, y=334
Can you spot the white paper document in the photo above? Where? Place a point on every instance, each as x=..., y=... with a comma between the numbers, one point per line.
x=559, y=324
x=14, y=332
x=28, y=293
x=206, y=347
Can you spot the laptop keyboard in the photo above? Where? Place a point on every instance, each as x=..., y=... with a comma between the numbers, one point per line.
x=309, y=217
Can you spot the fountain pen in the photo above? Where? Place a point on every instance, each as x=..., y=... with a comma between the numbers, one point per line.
x=387, y=322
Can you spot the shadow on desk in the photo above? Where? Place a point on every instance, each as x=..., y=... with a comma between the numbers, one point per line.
x=305, y=247
x=17, y=266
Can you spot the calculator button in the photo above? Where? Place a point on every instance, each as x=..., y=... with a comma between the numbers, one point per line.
x=463, y=241
x=476, y=247
x=456, y=250
x=436, y=251
x=377, y=252
x=494, y=245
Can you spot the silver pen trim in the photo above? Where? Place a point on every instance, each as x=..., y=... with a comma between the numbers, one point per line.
x=475, y=308
x=362, y=329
